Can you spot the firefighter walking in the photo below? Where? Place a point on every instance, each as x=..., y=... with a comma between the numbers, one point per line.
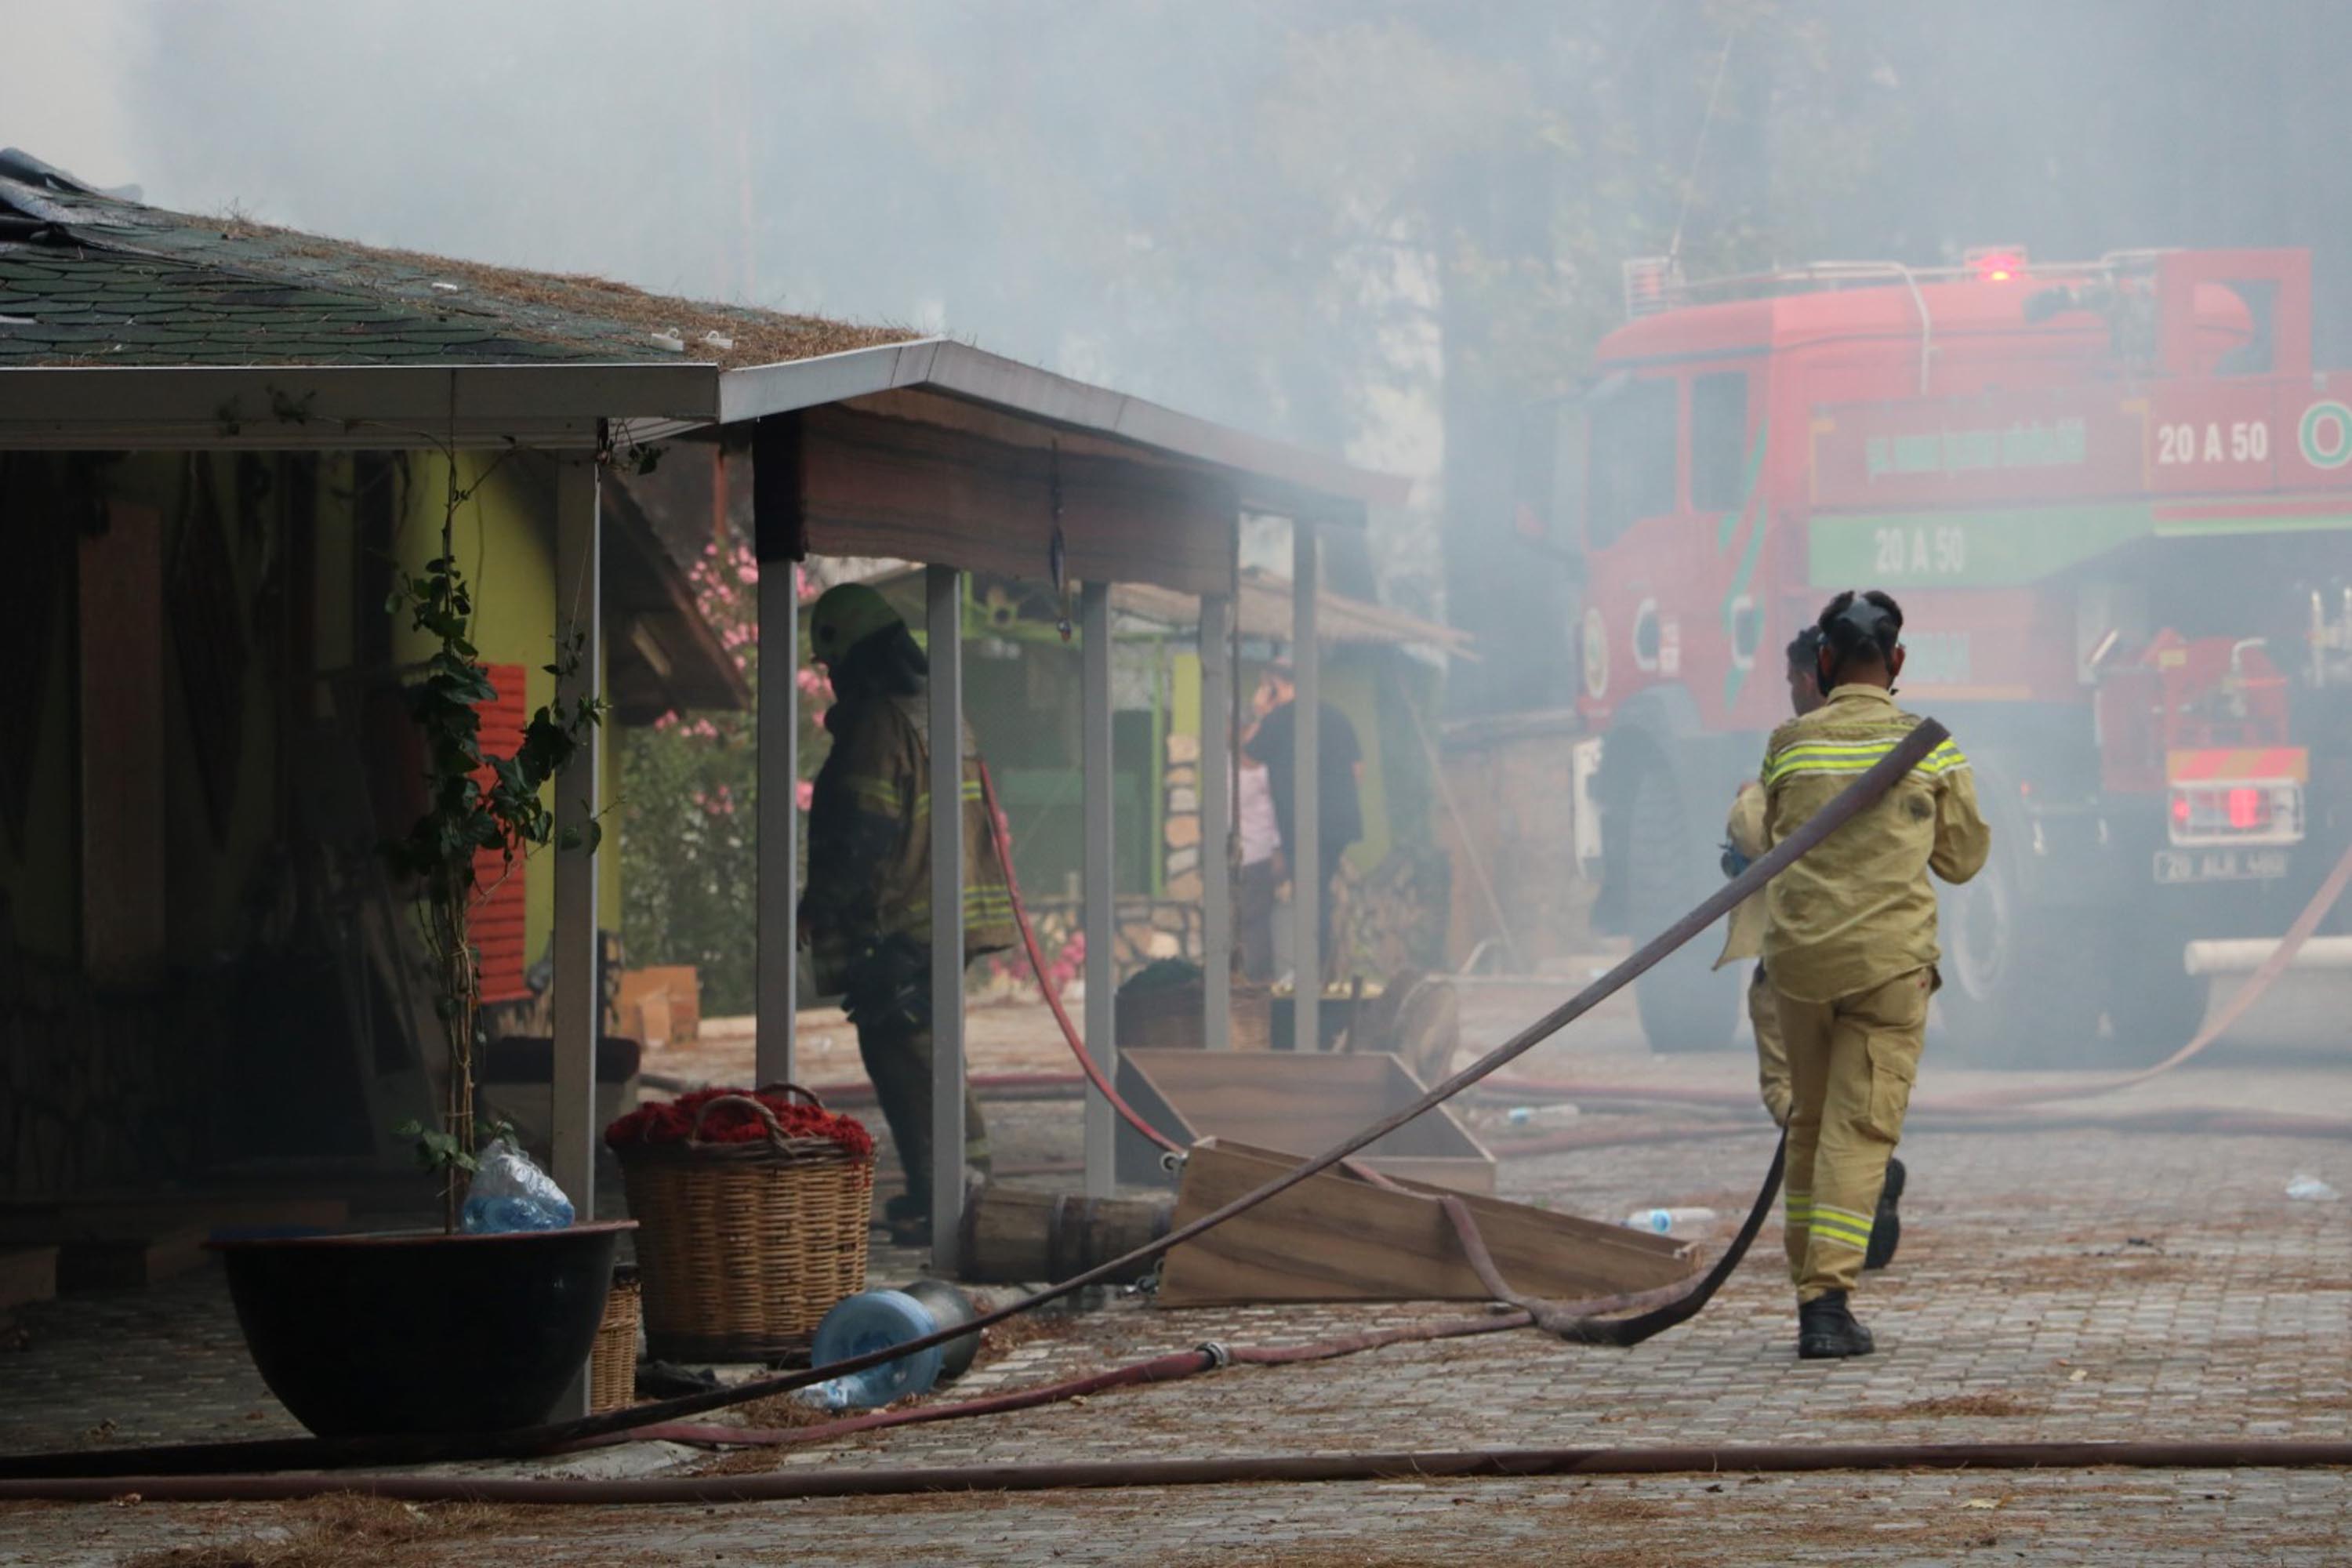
x=1849, y=950
x=1743, y=841
x=865, y=913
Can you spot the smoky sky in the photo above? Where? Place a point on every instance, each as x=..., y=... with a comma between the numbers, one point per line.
x=1212, y=202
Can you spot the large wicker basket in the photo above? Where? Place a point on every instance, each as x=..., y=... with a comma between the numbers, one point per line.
x=613, y=1365
x=742, y=1248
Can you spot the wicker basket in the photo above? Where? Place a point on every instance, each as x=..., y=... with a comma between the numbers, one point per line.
x=742, y=1248
x=613, y=1365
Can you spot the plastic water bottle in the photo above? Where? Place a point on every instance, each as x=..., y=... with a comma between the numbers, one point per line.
x=860, y=1325
x=1665, y=1222
x=2311, y=1190
x=1540, y=1115
x=492, y=1216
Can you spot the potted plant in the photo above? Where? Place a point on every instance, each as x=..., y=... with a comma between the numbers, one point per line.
x=443, y=1331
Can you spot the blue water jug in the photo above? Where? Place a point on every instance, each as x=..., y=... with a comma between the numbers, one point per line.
x=862, y=1324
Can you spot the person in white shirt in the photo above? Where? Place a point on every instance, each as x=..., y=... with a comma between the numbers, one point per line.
x=1261, y=866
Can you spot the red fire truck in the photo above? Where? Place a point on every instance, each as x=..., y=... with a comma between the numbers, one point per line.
x=2115, y=502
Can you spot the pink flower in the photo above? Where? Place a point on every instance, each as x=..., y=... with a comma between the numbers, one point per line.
x=814, y=684
x=805, y=791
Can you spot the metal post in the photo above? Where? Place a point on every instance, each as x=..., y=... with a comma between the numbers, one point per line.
x=943, y=595
x=1218, y=793
x=776, y=895
x=576, y=992
x=1101, y=918
x=1306, y=854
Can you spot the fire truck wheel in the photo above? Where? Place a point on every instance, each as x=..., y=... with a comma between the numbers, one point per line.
x=2016, y=991
x=1684, y=1005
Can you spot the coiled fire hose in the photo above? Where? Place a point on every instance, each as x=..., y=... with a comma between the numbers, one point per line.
x=217, y=1459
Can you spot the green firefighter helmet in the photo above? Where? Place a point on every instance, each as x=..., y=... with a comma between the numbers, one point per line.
x=844, y=616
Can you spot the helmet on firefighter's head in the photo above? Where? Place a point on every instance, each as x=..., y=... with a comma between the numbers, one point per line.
x=844, y=616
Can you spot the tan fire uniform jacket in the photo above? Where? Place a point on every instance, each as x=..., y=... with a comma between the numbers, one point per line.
x=1859, y=910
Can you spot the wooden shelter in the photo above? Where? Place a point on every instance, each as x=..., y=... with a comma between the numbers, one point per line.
x=128, y=329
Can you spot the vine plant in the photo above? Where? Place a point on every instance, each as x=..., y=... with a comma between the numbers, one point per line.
x=475, y=802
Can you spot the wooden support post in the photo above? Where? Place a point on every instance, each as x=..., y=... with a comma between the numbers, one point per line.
x=576, y=992
x=1218, y=793
x=776, y=530
x=1101, y=891
x=123, y=775
x=1306, y=737
x=943, y=592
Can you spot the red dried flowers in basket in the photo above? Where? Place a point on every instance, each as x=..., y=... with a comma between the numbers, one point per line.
x=753, y=1208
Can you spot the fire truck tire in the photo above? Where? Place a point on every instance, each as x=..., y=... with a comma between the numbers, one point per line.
x=2017, y=992
x=1683, y=1006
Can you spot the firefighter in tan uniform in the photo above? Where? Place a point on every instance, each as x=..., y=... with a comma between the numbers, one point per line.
x=1744, y=842
x=866, y=912
x=1850, y=948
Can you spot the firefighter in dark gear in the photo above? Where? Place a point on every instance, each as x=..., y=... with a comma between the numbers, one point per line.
x=1743, y=841
x=866, y=912
x=1850, y=947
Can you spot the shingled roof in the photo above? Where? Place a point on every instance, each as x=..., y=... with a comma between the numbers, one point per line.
x=92, y=279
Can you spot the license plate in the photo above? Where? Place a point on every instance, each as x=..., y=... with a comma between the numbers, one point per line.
x=2220, y=864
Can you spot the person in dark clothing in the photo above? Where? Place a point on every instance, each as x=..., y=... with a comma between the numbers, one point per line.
x=1340, y=763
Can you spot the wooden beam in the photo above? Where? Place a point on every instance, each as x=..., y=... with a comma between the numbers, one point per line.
x=124, y=768
x=943, y=600
x=872, y=485
x=1100, y=907
x=1218, y=799
x=780, y=540
x=1336, y=1239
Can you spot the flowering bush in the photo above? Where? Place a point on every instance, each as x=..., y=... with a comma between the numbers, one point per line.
x=691, y=785
x=672, y=1122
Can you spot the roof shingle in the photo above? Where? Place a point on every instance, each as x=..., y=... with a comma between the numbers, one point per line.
x=86, y=278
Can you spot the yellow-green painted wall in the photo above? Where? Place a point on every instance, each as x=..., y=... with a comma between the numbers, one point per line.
x=504, y=536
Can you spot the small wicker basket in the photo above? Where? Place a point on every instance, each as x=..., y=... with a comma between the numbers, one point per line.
x=743, y=1247
x=613, y=1365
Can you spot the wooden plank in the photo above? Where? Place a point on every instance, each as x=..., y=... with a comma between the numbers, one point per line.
x=27, y=1274
x=124, y=772
x=871, y=485
x=1296, y=1103
x=1337, y=1238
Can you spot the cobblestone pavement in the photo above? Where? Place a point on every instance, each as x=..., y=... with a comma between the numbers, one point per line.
x=2064, y=1284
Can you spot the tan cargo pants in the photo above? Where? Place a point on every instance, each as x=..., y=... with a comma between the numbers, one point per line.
x=1771, y=1056
x=1851, y=1063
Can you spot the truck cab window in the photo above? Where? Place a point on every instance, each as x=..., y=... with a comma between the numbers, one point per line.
x=1718, y=441
x=1632, y=456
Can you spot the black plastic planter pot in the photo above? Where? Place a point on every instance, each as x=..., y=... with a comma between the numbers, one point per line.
x=373, y=1335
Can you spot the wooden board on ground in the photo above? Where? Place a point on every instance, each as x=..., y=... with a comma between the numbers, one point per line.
x=679, y=988
x=27, y=1274
x=1336, y=1237
x=1296, y=1103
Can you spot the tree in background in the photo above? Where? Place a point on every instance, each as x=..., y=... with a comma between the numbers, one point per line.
x=691, y=786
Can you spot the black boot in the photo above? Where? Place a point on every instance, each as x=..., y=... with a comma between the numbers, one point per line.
x=1826, y=1329
x=1886, y=1225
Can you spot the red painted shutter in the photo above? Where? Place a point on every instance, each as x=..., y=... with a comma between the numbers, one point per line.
x=498, y=917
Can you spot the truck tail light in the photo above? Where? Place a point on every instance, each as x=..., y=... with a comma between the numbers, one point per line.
x=2265, y=813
